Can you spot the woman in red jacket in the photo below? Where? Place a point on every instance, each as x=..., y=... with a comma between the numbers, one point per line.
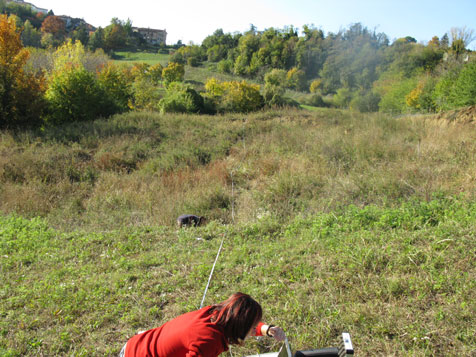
x=206, y=332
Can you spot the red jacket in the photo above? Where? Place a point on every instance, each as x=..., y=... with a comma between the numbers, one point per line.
x=190, y=334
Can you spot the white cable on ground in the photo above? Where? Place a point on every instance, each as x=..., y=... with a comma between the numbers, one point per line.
x=211, y=273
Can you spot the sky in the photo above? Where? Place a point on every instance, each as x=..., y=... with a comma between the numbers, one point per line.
x=193, y=20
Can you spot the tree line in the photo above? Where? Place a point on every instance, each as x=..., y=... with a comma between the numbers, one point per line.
x=48, y=30
x=355, y=67
x=71, y=84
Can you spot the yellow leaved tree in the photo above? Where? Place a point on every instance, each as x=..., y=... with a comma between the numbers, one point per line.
x=21, y=94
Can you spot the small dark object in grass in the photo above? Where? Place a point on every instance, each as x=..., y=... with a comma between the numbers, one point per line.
x=187, y=220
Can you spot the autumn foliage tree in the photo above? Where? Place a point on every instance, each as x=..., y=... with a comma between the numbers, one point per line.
x=21, y=95
x=55, y=26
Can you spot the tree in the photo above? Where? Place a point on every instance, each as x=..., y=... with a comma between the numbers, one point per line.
x=20, y=95
x=444, y=42
x=76, y=94
x=30, y=36
x=463, y=91
x=81, y=34
x=115, y=37
x=97, y=39
x=55, y=26
x=463, y=34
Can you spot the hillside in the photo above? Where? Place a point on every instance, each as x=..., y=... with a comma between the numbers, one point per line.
x=334, y=221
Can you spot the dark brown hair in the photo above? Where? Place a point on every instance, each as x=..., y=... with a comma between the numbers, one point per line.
x=237, y=315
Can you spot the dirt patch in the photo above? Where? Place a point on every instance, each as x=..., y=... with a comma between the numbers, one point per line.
x=465, y=115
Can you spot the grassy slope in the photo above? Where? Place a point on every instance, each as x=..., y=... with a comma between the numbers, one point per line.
x=141, y=57
x=342, y=222
x=401, y=281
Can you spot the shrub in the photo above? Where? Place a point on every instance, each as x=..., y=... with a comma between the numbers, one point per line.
x=316, y=100
x=394, y=97
x=443, y=89
x=420, y=98
x=296, y=79
x=193, y=62
x=234, y=96
x=75, y=95
x=342, y=98
x=225, y=66
x=181, y=98
x=145, y=94
x=464, y=89
x=274, y=87
x=174, y=72
x=155, y=72
x=365, y=102
x=117, y=88
x=315, y=86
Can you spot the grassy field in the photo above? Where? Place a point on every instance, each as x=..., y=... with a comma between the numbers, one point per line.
x=141, y=57
x=334, y=221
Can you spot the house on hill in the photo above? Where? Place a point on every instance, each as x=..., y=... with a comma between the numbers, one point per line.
x=152, y=36
x=33, y=7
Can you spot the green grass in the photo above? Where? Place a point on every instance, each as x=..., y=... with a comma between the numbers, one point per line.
x=141, y=57
x=334, y=221
x=400, y=280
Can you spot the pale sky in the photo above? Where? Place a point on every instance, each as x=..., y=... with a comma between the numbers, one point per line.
x=193, y=20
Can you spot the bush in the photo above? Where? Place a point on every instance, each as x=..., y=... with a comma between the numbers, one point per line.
x=365, y=102
x=296, y=79
x=76, y=95
x=342, y=98
x=274, y=87
x=315, y=86
x=225, y=66
x=174, y=72
x=145, y=94
x=394, y=98
x=181, y=98
x=117, y=88
x=463, y=92
x=316, y=100
x=443, y=89
x=420, y=98
x=234, y=96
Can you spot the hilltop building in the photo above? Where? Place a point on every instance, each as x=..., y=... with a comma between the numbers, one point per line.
x=152, y=36
x=33, y=7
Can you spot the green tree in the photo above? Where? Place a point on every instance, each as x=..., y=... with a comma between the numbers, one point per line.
x=117, y=88
x=81, y=34
x=115, y=36
x=463, y=92
x=30, y=36
x=97, y=39
x=76, y=94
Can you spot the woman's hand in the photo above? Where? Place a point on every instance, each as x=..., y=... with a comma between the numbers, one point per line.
x=276, y=332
